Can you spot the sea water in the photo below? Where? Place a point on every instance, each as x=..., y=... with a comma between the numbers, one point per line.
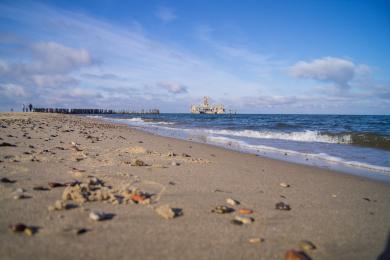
x=353, y=144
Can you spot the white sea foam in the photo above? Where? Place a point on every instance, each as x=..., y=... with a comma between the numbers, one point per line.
x=306, y=136
x=95, y=116
x=241, y=145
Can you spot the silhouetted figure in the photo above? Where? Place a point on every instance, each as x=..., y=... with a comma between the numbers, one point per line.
x=30, y=107
x=24, y=108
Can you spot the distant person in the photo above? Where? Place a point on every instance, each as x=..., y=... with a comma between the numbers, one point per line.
x=24, y=108
x=30, y=107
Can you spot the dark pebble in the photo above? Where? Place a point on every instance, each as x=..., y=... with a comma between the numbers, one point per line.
x=7, y=144
x=55, y=184
x=40, y=188
x=282, y=206
x=236, y=222
x=20, y=227
x=6, y=180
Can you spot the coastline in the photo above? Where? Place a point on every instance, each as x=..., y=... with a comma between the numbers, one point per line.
x=345, y=216
x=321, y=149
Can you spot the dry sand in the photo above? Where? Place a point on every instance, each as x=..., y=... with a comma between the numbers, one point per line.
x=345, y=216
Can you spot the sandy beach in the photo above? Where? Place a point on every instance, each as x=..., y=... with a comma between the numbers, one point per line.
x=158, y=198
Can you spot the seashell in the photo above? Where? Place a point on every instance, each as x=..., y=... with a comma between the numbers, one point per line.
x=222, y=210
x=256, y=240
x=282, y=206
x=245, y=211
x=244, y=220
x=97, y=216
x=306, y=245
x=284, y=185
x=232, y=202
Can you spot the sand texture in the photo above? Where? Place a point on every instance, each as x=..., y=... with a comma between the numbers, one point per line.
x=86, y=189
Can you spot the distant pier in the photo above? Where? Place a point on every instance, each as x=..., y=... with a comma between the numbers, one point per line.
x=93, y=111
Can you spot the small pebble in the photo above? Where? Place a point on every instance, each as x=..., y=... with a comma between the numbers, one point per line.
x=55, y=184
x=81, y=231
x=97, y=216
x=166, y=212
x=20, y=196
x=29, y=231
x=40, y=188
x=236, y=222
x=282, y=206
x=20, y=227
x=306, y=245
x=284, y=185
x=138, y=162
x=232, y=202
x=6, y=180
x=245, y=211
x=244, y=220
x=175, y=163
x=256, y=240
x=222, y=210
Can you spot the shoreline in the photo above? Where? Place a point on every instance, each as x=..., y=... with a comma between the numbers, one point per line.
x=343, y=168
x=345, y=216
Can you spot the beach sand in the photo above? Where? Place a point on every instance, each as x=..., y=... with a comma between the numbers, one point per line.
x=344, y=216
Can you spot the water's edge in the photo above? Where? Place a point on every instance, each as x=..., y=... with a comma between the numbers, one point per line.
x=368, y=171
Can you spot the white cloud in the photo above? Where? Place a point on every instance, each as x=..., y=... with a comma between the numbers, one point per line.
x=12, y=91
x=57, y=58
x=166, y=14
x=173, y=87
x=329, y=69
x=49, y=66
x=52, y=80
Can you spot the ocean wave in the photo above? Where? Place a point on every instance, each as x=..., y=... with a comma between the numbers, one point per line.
x=241, y=145
x=360, y=139
x=305, y=136
x=138, y=121
x=95, y=116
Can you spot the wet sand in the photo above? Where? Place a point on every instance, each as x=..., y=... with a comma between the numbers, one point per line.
x=344, y=216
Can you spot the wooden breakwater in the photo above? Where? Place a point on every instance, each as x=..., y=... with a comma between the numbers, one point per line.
x=93, y=111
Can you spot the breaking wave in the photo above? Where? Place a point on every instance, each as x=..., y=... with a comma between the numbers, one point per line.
x=227, y=142
x=361, y=139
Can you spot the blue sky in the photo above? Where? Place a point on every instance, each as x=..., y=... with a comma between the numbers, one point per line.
x=252, y=56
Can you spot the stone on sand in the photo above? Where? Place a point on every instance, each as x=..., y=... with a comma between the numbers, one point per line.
x=232, y=202
x=166, y=212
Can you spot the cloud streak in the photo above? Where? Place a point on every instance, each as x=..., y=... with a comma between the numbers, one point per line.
x=173, y=88
x=166, y=14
